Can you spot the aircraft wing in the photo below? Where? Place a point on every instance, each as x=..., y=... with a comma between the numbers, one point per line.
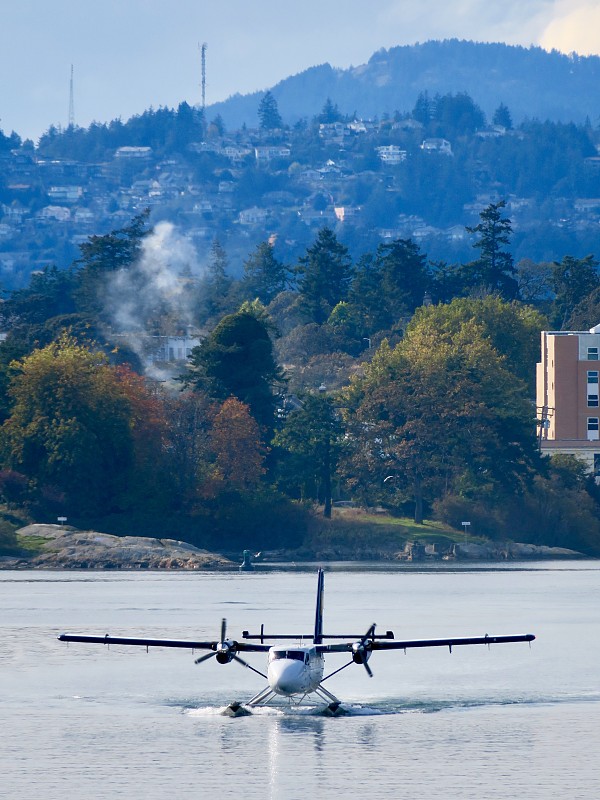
x=183, y=643
x=378, y=644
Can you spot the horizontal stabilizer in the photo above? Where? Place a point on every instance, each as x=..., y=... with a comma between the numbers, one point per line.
x=308, y=636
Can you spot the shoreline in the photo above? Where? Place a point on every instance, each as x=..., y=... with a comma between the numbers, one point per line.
x=67, y=548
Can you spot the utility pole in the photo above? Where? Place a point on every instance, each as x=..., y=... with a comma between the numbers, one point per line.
x=543, y=423
x=71, y=102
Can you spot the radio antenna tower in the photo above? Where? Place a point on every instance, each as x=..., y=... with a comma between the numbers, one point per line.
x=203, y=84
x=71, y=102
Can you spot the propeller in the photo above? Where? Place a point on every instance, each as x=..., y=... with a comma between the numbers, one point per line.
x=224, y=649
x=361, y=650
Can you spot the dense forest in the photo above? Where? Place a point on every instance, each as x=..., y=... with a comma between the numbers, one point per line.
x=389, y=380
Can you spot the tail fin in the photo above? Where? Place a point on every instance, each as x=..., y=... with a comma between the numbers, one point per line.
x=318, y=637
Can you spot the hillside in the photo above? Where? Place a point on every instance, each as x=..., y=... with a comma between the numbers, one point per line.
x=531, y=81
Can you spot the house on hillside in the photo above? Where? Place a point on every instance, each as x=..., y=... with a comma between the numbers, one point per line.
x=567, y=395
x=65, y=194
x=391, y=154
x=139, y=153
x=264, y=154
x=435, y=145
x=253, y=216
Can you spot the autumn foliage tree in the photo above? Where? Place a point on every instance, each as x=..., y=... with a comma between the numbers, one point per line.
x=150, y=480
x=69, y=430
x=237, y=451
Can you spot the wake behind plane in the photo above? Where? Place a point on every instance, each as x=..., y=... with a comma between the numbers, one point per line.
x=297, y=671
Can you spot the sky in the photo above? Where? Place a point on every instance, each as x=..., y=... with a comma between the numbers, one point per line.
x=130, y=55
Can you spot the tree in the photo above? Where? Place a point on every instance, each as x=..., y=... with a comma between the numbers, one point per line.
x=458, y=114
x=423, y=111
x=102, y=255
x=586, y=314
x=49, y=294
x=389, y=286
x=264, y=275
x=216, y=127
x=216, y=284
x=188, y=417
x=237, y=360
x=329, y=113
x=512, y=329
x=573, y=280
x=502, y=117
x=439, y=413
x=325, y=275
x=238, y=452
x=494, y=269
x=69, y=430
x=268, y=113
x=151, y=482
x=534, y=282
x=313, y=434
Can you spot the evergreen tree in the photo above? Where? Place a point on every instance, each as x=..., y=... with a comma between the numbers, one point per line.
x=237, y=360
x=264, y=275
x=329, y=113
x=215, y=286
x=502, y=117
x=389, y=286
x=325, y=275
x=268, y=113
x=422, y=110
x=494, y=269
x=102, y=255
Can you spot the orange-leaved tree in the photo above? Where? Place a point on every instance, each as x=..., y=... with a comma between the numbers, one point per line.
x=238, y=453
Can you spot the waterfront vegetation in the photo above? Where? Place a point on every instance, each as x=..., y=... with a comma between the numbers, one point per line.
x=386, y=382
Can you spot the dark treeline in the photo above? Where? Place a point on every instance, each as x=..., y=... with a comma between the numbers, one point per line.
x=388, y=380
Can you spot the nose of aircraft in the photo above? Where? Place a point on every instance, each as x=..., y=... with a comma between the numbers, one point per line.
x=285, y=676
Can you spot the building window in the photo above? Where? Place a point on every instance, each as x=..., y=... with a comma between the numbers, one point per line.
x=593, y=429
x=592, y=376
x=592, y=354
x=592, y=400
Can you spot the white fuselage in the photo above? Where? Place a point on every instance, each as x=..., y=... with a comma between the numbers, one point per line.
x=294, y=670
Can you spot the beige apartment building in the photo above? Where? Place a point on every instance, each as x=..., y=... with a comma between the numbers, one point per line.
x=567, y=395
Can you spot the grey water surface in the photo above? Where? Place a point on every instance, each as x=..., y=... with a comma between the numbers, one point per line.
x=509, y=721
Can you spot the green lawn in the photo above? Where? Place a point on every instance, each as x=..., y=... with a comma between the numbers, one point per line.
x=362, y=529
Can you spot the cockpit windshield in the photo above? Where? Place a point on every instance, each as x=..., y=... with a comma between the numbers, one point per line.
x=295, y=654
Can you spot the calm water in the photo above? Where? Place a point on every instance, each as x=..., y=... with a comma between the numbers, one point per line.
x=82, y=721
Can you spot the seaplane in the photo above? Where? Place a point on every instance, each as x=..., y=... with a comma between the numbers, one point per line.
x=296, y=672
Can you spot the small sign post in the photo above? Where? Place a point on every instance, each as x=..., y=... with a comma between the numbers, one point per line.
x=466, y=526
x=61, y=520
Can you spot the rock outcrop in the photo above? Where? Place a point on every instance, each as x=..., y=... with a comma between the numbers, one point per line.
x=69, y=548
x=484, y=551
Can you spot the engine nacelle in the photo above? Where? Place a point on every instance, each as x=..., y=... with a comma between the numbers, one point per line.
x=360, y=654
x=224, y=655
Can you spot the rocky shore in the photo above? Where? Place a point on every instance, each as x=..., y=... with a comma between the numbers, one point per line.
x=65, y=547
x=423, y=552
